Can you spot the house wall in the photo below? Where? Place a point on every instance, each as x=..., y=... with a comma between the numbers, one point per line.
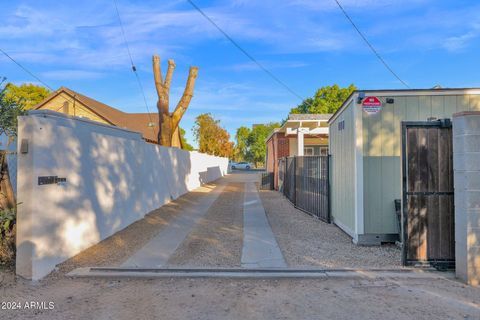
x=292, y=144
x=113, y=179
x=342, y=170
x=277, y=147
x=270, y=163
x=74, y=109
x=282, y=145
x=382, y=150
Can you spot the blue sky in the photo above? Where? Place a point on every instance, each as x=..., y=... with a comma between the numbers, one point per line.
x=306, y=43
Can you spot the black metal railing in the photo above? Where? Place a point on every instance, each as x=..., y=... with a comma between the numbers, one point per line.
x=305, y=182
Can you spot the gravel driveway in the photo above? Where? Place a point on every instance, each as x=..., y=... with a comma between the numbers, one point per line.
x=217, y=239
x=307, y=241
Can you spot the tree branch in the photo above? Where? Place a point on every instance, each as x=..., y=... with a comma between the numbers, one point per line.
x=168, y=78
x=186, y=97
x=157, y=75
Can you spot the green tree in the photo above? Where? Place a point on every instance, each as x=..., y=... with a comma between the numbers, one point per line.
x=256, y=145
x=326, y=100
x=211, y=137
x=185, y=144
x=241, y=146
x=27, y=94
x=10, y=109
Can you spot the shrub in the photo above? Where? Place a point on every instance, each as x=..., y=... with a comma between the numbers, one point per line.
x=7, y=236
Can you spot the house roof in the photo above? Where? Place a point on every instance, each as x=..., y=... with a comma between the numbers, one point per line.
x=140, y=122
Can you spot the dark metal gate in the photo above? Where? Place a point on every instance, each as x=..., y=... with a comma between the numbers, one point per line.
x=281, y=173
x=428, y=197
x=267, y=181
x=305, y=182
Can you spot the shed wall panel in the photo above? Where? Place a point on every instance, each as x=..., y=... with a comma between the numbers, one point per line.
x=382, y=151
x=342, y=146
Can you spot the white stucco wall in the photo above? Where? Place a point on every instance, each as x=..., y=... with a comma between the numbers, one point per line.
x=113, y=179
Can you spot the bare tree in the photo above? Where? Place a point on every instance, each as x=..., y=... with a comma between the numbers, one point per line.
x=168, y=131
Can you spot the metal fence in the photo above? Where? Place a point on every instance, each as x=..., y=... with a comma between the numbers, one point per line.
x=267, y=181
x=305, y=182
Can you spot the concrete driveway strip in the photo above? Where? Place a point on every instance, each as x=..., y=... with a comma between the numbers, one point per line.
x=158, y=250
x=260, y=249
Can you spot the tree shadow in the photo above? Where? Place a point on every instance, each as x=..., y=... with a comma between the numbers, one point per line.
x=113, y=178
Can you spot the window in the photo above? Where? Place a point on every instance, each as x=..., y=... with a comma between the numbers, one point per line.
x=324, y=151
x=308, y=151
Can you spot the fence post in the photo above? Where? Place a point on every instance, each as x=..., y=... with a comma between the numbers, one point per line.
x=285, y=175
x=295, y=180
x=328, y=189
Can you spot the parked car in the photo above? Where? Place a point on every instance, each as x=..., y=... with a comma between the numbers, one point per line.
x=242, y=165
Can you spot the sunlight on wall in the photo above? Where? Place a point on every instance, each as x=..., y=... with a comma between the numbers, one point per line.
x=79, y=232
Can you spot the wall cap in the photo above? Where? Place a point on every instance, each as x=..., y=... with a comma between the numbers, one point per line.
x=54, y=114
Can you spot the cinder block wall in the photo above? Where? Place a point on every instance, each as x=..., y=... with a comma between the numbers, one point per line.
x=113, y=178
x=466, y=159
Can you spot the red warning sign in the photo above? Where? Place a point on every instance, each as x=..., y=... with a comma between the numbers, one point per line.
x=371, y=105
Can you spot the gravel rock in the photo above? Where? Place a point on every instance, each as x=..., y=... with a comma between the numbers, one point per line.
x=216, y=241
x=307, y=241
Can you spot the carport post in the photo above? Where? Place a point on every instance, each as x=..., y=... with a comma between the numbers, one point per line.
x=300, y=135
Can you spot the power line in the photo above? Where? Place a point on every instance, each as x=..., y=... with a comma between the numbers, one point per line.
x=134, y=69
x=26, y=70
x=33, y=75
x=370, y=45
x=249, y=56
x=123, y=35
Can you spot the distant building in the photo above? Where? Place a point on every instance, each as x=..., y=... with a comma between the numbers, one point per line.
x=301, y=134
x=73, y=103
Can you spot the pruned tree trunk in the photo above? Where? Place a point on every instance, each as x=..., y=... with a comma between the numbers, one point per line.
x=168, y=131
x=7, y=196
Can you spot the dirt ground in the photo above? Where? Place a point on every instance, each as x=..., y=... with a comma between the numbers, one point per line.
x=242, y=299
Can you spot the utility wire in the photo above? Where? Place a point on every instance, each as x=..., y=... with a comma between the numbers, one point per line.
x=370, y=45
x=26, y=70
x=123, y=35
x=248, y=55
x=33, y=75
x=49, y=87
x=134, y=69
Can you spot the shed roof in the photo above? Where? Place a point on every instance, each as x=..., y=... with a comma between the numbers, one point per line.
x=407, y=92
